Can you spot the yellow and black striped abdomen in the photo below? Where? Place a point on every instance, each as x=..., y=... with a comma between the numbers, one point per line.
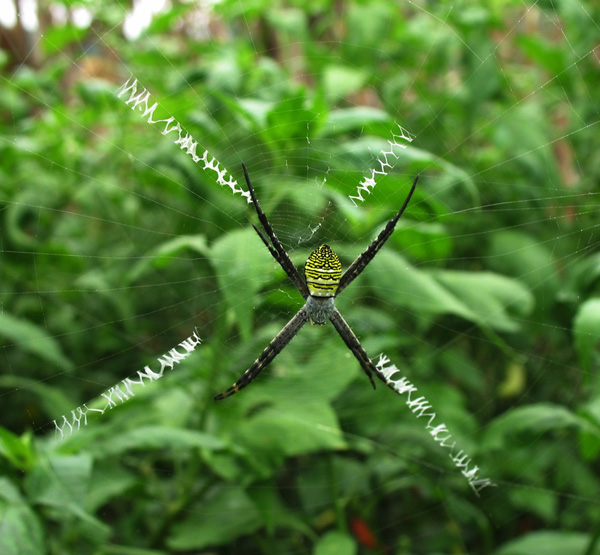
x=323, y=271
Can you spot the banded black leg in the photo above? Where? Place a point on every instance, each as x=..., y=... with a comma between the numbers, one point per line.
x=354, y=345
x=267, y=356
x=365, y=257
x=275, y=248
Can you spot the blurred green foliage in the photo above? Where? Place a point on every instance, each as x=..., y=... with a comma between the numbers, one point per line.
x=115, y=246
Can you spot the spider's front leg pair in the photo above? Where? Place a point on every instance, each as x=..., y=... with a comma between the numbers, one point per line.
x=324, y=282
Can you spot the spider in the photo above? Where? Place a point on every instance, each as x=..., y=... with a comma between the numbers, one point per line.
x=324, y=282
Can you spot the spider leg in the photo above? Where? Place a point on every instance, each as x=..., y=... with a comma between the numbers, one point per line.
x=273, y=252
x=366, y=256
x=354, y=345
x=266, y=357
x=275, y=248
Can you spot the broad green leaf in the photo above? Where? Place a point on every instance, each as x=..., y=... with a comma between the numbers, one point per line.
x=252, y=112
x=57, y=38
x=31, y=337
x=368, y=23
x=60, y=481
x=109, y=480
x=288, y=122
x=344, y=120
x=20, y=530
x=336, y=543
x=589, y=443
x=162, y=255
x=423, y=241
x=534, y=419
x=243, y=266
x=292, y=428
x=396, y=281
x=491, y=297
x=223, y=516
x=17, y=450
x=275, y=513
x=549, y=543
x=339, y=81
x=549, y=55
x=163, y=22
x=484, y=80
x=156, y=437
x=539, y=502
x=586, y=329
x=583, y=274
x=52, y=399
x=524, y=257
x=289, y=20
x=533, y=149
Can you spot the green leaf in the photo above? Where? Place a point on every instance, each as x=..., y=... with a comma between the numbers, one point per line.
x=288, y=123
x=17, y=450
x=336, y=543
x=395, y=280
x=340, y=81
x=109, y=480
x=51, y=399
x=533, y=149
x=57, y=38
x=548, y=543
x=356, y=118
x=292, y=428
x=20, y=529
x=223, y=516
x=538, y=502
x=162, y=255
x=522, y=256
x=548, y=55
x=243, y=266
x=491, y=297
x=586, y=329
x=165, y=21
x=289, y=20
x=584, y=273
x=274, y=512
x=589, y=446
x=60, y=481
x=30, y=337
x=156, y=437
x=423, y=241
x=534, y=419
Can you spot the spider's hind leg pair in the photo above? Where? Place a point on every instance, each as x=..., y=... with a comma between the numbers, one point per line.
x=324, y=282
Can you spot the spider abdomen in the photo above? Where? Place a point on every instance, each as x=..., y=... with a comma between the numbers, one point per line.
x=323, y=271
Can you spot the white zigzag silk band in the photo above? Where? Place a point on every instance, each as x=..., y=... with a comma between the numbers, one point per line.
x=140, y=101
x=421, y=408
x=124, y=390
x=386, y=160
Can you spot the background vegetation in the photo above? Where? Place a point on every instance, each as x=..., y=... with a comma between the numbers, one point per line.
x=115, y=246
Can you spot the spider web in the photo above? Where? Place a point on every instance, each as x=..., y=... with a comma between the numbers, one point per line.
x=168, y=251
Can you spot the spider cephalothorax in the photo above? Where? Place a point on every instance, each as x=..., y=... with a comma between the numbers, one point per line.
x=324, y=282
